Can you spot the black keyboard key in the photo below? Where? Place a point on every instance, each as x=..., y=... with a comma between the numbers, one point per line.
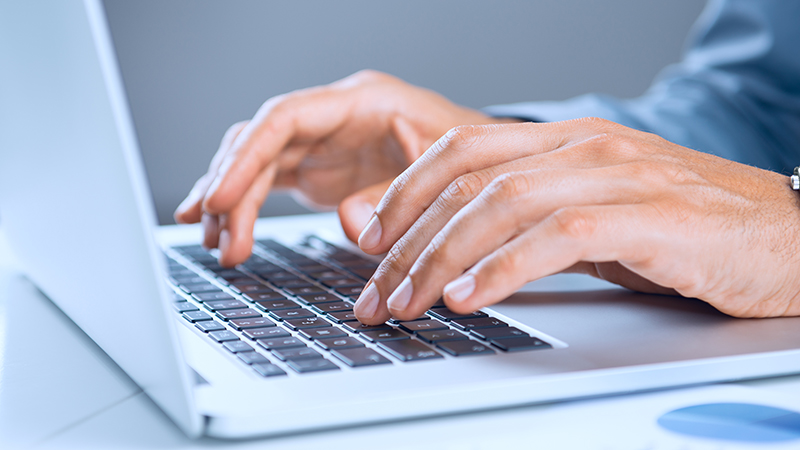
x=358, y=264
x=242, y=281
x=396, y=321
x=223, y=336
x=344, y=316
x=321, y=333
x=265, y=333
x=447, y=315
x=237, y=314
x=311, y=365
x=333, y=307
x=464, y=348
x=184, y=306
x=252, y=358
x=391, y=334
x=354, y=291
x=304, y=289
x=188, y=279
x=199, y=288
x=297, y=313
x=310, y=322
x=520, y=344
x=268, y=370
x=252, y=288
x=358, y=327
x=264, y=296
x=293, y=354
x=343, y=283
x=219, y=305
x=422, y=325
x=282, y=342
x=339, y=342
x=212, y=296
x=409, y=350
x=479, y=322
x=498, y=333
x=255, y=322
x=209, y=325
x=441, y=335
x=325, y=274
x=308, y=269
x=322, y=297
x=265, y=269
x=365, y=273
x=230, y=274
x=275, y=305
x=196, y=316
x=281, y=276
x=237, y=346
x=359, y=357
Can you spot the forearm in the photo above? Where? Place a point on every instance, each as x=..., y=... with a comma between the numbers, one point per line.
x=736, y=94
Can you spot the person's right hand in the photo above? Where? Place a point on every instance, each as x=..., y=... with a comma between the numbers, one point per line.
x=325, y=144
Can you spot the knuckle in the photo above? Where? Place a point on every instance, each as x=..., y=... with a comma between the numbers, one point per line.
x=510, y=186
x=436, y=252
x=574, y=224
x=460, y=137
x=397, y=260
x=598, y=123
x=369, y=75
x=465, y=188
x=508, y=262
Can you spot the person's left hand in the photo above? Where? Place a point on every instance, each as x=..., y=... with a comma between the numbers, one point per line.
x=488, y=208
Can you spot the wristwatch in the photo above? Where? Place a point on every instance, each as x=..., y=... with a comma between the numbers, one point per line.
x=796, y=179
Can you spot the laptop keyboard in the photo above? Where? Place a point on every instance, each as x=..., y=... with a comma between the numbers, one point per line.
x=290, y=310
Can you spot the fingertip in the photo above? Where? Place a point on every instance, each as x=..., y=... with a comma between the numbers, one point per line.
x=354, y=215
x=234, y=248
x=459, y=295
x=210, y=230
x=370, y=237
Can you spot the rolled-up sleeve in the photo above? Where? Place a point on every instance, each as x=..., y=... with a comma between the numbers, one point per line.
x=735, y=94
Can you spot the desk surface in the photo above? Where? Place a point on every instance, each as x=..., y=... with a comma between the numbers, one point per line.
x=59, y=390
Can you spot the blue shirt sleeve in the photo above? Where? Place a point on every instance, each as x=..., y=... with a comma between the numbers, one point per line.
x=735, y=94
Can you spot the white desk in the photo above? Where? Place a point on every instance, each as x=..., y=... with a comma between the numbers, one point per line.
x=59, y=390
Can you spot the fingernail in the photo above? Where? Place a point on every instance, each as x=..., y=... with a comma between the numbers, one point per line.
x=367, y=304
x=460, y=289
x=212, y=189
x=361, y=214
x=224, y=242
x=371, y=235
x=400, y=298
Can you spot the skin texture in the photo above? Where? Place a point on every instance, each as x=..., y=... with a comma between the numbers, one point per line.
x=340, y=144
x=487, y=207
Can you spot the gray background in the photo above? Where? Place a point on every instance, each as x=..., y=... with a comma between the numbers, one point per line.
x=192, y=68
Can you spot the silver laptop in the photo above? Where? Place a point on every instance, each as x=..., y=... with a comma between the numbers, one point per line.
x=271, y=347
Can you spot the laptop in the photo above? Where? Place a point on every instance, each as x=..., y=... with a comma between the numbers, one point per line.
x=270, y=347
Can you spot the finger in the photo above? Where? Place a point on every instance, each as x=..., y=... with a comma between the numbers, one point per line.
x=461, y=150
x=509, y=205
x=395, y=266
x=210, y=230
x=313, y=112
x=356, y=210
x=626, y=233
x=190, y=210
x=236, y=230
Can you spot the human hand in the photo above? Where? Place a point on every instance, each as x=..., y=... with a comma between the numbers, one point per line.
x=488, y=208
x=325, y=144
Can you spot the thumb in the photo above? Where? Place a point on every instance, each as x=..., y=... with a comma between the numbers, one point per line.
x=356, y=210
